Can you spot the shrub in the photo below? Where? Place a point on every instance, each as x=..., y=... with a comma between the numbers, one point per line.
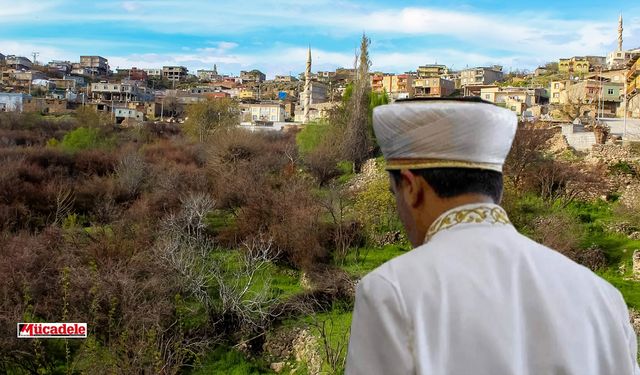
x=80, y=139
x=375, y=206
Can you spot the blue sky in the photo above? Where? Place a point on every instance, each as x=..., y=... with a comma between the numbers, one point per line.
x=272, y=35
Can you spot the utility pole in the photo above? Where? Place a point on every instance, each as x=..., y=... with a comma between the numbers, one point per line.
x=624, y=120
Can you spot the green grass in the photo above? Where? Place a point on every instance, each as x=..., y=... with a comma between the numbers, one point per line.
x=228, y=361
x=371, y=258
x=311, y=136
x=630, y=289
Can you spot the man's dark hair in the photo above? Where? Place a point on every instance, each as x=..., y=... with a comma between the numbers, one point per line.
x=451, y=182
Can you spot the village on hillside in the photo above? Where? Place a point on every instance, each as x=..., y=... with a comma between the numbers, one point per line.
x=582, y=92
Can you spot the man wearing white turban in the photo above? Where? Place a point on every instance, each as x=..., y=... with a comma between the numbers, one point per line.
x=475, y=296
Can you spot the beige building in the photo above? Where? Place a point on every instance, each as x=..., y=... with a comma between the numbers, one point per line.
x=95, y=65
x=432, y=70
x=481, y=75
x=435, y=87
x=267, y=112
x=398, y=86
x=556, y=92
x=517, y=99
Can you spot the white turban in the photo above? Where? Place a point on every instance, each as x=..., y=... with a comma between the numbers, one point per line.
x=462, y=133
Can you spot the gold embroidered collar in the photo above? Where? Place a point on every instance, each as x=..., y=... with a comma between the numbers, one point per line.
x=468, y=214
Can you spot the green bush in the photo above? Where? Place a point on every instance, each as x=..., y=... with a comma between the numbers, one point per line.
x=375, y=206
x=83, y=139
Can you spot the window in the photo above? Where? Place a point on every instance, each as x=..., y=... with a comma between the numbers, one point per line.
x=610, y=92
x=556, y=94
x=556, y=85
x=487, y=96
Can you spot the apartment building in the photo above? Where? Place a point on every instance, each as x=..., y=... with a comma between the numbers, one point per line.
x=432, y=70
x=252, y=76
x=434, y=87
x=119, y=92
x=174, y=73
x=95, y=65
x=481, y=75
x=153, y=73
x=398, y=86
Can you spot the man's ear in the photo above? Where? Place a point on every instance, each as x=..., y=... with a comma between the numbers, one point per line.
x=413, y=189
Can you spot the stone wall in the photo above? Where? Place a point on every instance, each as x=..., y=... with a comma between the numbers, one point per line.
x=612, y=153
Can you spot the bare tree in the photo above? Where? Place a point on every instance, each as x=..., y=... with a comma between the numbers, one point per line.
x=131, y=173
x=184, y=245
x=246, y=293
x=64, y=204
x=526, y=150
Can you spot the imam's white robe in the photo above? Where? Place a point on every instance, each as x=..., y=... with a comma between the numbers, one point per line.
x=479, y=298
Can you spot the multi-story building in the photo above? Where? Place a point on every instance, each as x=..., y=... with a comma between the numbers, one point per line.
x=209, y=75
x=556, y=91
x=252, y=76
x=574, y=65
x=619, y=58
x=119, y=92
x=517, y=99
x=432, y=70
x=61, y=66
x=153, y=73
x=397, y=86
x=632, y=77
x=434, y=87
x=65, y=83
x=481, y=75
x=174, y=73
x=20, y=78
x=267, y=112
x=18, y=62
x=95, y=65
x=77, y=69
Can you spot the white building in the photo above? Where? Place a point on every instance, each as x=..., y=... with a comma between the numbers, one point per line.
x=124, y=113
x=12, y=102
x=153, y=73
x=268, y=112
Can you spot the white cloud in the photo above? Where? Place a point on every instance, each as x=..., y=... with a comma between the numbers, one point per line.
x=11, y=10
x=131, y=6
x=520, y=40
